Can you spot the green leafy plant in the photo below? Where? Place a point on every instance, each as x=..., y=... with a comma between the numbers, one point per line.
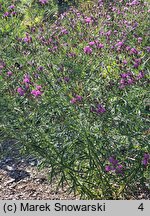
x=76, y=94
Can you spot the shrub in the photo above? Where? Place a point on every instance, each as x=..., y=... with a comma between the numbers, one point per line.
x=76, y=94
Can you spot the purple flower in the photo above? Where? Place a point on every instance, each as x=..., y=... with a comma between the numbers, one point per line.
x=148, y=49
x=9, y=73
x=92, y=43
x=119, y=44
x=26, y=79
x=43, y=1
x=140, y=75
x=136, y=65
x=128, y=48
x=100, y=109
x=133, y=51
x=6, y=14
x=122, y=81
x=76, y=99
x=113, y=161
x=38, y=87
x=133, y=3
x=11, y=7
x=108, y=33
x=114, y=166
x=2, y=65
x=140, y=39
x=87, y=50
x=40, y=68
x=88, y=20
x=124, y=75
x=73, y=100
x=119, y=169
x=64, y=31
x=107, y=168
x=13, y=13
x=100, y=46
x=36, y=93
x=79, y=98
x=125, y=62
x=20, y=91
x=27, y=39
x=55, y=48
x=146, y=159
x=66, y=79
x=130, y=81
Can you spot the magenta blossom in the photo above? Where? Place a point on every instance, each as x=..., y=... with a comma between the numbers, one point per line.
x=100, y=109
x=28, y=38
x=88, y=20
x=64, y=31
x=128, y=48
x=119, y=44
x=107, y=168
x=66, y=79
x=133, y=51
x=26, y=79
x=73, y=100
x=36, y=93
x=114, y=166
x=140, y=39
x=146, y=159
x=119, y=169
x=92, y=43
x=87, y=50
x=20, y=91
x=113, y=161
x=125, y=62
x=76, y=99
x=6, y=14
x=140, y=75
x=38, y=87
x=11, y=7
x=9, y=73
x=130, y=81
x=100, y=46
x=40, y=68
x=43, y=1
x=79, y=98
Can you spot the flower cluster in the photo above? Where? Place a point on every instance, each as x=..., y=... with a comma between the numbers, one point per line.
x=114, y=166
x=27, y=39
x=87, y=50
x=99, y=109
x=76, y=99
x=129, y=78
x=11, y=11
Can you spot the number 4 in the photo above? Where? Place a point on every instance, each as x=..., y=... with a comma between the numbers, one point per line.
x=141, y=207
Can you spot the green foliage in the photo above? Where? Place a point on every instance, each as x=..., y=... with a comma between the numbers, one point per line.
x=83, y=119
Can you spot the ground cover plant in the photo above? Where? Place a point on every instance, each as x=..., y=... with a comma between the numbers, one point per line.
x=75, y=91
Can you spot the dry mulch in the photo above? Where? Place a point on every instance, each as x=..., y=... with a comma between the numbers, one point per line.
x=34, y=186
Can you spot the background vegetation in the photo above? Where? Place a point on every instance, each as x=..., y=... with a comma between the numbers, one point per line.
x=75, y=91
